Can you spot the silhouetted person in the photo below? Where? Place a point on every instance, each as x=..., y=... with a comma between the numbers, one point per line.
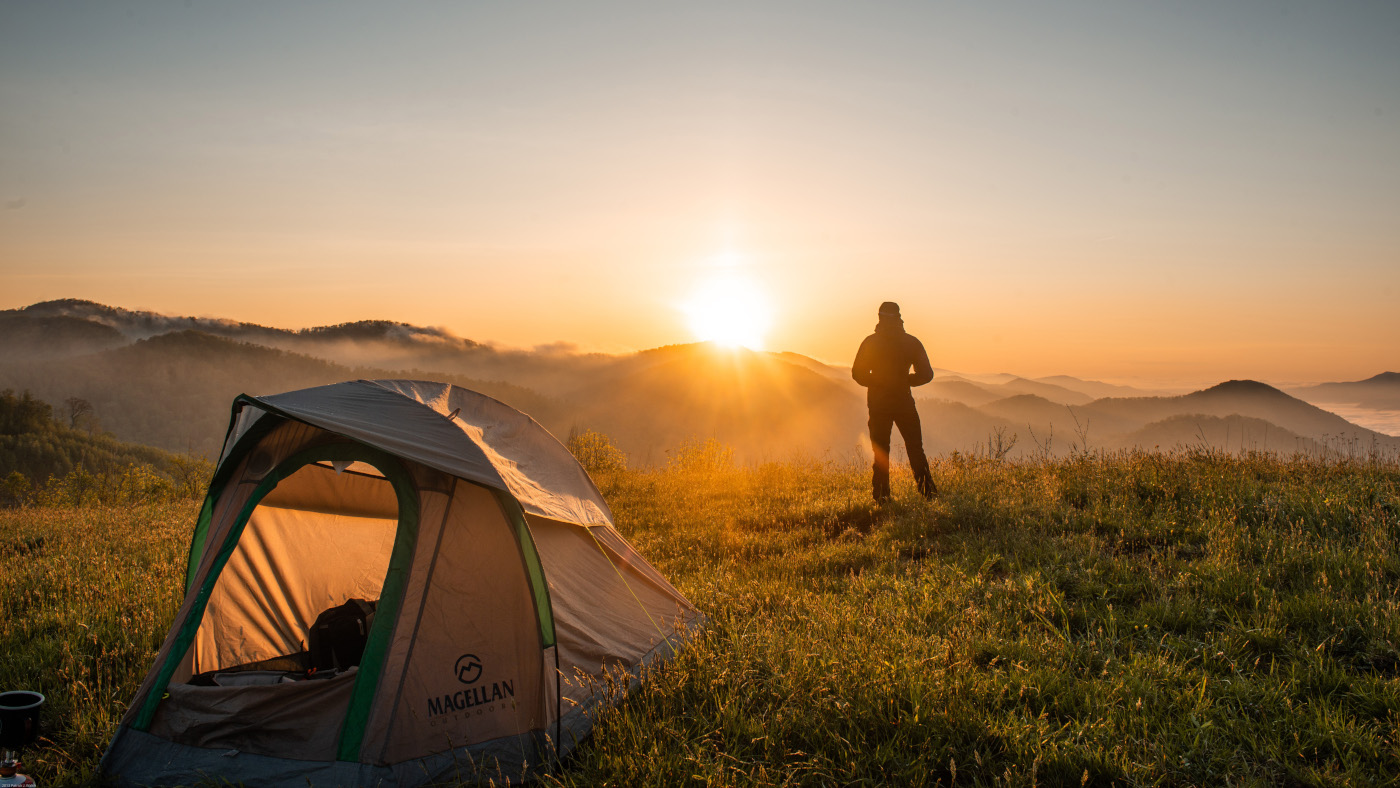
x=883, y=366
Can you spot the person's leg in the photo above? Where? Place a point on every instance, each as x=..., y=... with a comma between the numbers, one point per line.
x=912, y=431
x=881, y=420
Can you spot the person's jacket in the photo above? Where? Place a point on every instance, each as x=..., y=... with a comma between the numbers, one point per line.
x=884, y=361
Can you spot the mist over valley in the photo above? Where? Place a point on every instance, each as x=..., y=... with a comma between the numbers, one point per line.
x=168, y=382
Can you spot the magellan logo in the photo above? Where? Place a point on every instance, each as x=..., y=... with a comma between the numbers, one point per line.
x=474, y=700
x=468, y=669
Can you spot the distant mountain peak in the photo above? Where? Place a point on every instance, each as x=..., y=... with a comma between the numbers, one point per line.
x=1027, y=399
x=141, y=324
x=60, y=303
x=69, y=307
x=706, y=349
x=1384, y=377
x=192, y=338
x=389, y=330
x=1243, y=387
x=135, y=323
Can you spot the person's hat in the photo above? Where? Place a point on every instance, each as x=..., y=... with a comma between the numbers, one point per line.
x=889, y=308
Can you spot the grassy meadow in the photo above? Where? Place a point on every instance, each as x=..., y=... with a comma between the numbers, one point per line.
x=1132, y=619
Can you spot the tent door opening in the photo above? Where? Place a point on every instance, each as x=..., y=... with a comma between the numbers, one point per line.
x=320, y=538
x=317, y=543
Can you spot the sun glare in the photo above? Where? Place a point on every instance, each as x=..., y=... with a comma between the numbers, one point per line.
x=729, y=310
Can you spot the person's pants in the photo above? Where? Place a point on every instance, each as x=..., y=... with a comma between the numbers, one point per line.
x=906, y=417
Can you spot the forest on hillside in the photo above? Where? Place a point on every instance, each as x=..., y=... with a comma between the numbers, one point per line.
x=44, y=451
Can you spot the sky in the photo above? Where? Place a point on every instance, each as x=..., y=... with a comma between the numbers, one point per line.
x=1179, y=192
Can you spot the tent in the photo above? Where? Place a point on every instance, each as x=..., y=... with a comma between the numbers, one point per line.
x=503, y=606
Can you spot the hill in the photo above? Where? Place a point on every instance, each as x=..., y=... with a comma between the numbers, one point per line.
x=167, y=381
x=956, y=427
x=1381, y=392
x=369, y=344
x=1095, y=389
x=837, y=374
x=173, y=391
x=29, y=337
x=1228, y=433
x=1246, y=398
x=1049, y=391
x=957, y=389
x=761, y=405
x=1235, y=415
x=134, y=325
x=1029, y=409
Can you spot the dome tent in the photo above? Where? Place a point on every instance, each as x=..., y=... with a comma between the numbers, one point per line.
x=500, y=593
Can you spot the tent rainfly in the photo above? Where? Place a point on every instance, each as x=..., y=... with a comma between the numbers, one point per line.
x=489, y=597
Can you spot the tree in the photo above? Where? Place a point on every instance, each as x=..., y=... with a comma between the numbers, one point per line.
x=24, y=414
x=77, y=409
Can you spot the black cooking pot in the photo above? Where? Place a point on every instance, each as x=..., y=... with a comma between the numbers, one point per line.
x=19, y=718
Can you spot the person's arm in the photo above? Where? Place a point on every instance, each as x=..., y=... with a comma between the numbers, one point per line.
x=923, y=370
x=860, y=370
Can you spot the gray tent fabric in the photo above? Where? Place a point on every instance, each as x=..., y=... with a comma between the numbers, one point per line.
x=505, y=601
x=487, y=442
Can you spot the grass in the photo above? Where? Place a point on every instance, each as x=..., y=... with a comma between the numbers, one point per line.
x=87, y=595
x=1132, y=619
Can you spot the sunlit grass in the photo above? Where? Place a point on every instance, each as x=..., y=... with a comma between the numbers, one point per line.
x=1133, y=620
x=86, y=597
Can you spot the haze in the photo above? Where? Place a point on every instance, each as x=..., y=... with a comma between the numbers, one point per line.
x=1162, y=193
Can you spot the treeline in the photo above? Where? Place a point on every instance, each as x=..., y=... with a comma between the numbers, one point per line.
x=44, y=461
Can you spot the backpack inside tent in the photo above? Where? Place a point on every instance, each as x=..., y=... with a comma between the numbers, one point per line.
x=393, y=583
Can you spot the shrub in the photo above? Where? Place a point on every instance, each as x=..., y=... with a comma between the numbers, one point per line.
x=596, y=452
x=135, y=484
x=697, y=456
x=16, y=489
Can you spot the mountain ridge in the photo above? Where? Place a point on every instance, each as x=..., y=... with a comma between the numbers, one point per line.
x=172, y=389
x=1378, y=392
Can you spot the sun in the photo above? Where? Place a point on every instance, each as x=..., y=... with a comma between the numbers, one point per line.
x=729, y=309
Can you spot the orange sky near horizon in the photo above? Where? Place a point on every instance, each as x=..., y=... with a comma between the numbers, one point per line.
x=1166, y=196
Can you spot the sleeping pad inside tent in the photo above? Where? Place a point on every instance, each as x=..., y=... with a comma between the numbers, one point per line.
x=393, y=583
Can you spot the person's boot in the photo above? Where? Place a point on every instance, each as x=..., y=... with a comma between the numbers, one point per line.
x=926, y=486
x=881, y=487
